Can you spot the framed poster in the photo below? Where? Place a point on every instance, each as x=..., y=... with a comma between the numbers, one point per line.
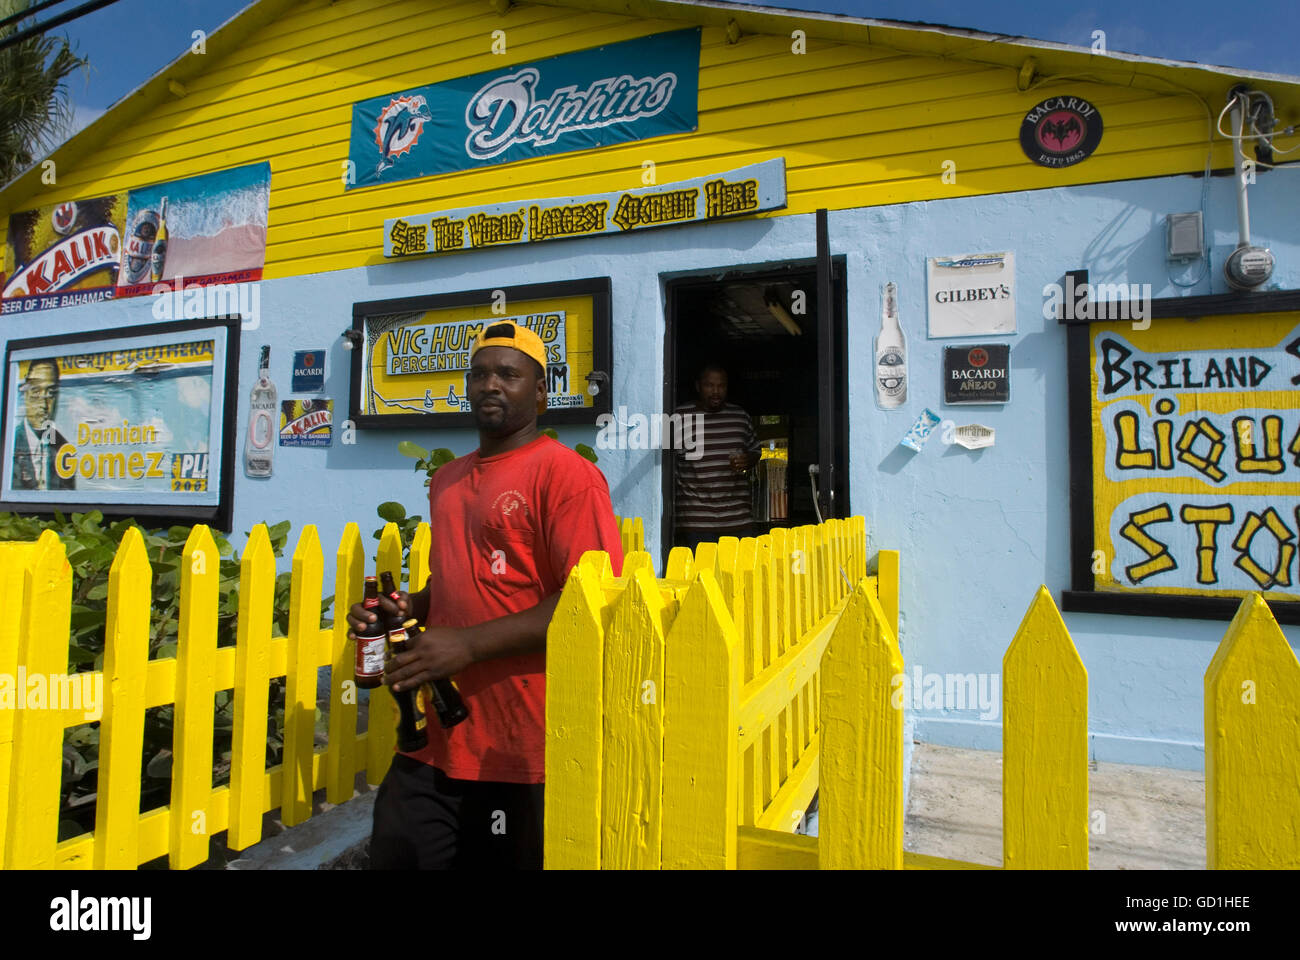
x=133, y=422
x=1185, y=457
x=411, y=367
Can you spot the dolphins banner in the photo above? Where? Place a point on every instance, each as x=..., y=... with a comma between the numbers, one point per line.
x=613, y=94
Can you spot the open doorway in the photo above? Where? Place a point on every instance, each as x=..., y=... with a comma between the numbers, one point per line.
x=761, y=325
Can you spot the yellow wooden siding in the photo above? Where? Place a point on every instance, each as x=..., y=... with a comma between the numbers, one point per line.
x=858, y=125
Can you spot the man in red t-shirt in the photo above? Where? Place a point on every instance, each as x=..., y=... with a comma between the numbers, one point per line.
x=509, y=522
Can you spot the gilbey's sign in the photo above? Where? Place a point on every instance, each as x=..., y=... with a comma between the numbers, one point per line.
x=578, y=101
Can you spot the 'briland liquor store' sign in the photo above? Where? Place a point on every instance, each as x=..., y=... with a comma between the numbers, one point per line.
x=749, y=190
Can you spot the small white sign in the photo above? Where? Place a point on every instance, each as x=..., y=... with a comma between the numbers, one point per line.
x=972, y=295
x=974, y=436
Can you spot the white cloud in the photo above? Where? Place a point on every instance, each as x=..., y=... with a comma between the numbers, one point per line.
x=82, y=117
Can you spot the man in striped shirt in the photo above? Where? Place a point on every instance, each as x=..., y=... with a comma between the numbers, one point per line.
x=712, y=497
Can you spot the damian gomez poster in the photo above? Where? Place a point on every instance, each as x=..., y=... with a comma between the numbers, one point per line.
x=117, y=423
x=1196, y=456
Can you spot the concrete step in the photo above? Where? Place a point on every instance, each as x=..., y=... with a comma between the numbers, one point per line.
x=1142, y=818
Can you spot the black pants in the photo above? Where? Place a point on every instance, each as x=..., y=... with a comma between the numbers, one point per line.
x=425, y=820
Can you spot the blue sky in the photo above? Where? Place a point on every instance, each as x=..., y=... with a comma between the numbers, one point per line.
x=129, y=41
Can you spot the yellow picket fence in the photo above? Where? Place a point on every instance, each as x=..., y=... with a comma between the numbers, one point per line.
x=1252, y=750
x=631, y=533
x=689, y=719
x=678, y=710
x=666, y=782
x=35, y=595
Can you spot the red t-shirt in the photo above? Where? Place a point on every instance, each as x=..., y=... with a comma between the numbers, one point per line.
x=507, y=530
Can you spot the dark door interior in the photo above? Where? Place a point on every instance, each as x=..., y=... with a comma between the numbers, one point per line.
x=764, y=327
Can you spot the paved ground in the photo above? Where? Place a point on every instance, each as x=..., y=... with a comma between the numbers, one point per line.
x=1154, y=818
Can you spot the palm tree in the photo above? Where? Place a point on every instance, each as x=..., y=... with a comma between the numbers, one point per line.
x=35, y=109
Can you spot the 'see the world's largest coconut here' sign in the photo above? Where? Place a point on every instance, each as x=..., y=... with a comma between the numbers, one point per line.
x=748, y=190
x=1196, y=456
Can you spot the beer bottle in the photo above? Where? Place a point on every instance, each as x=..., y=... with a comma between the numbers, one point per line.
x=445, y=697
x=138, y=258
x=891, y=355
x=371, y=640
x=259, y=445
x=410, y=718
x=442, y=693
x=159, y=257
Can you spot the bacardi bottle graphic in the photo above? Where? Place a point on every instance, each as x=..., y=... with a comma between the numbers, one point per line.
x=891, y=355
x=259, y=445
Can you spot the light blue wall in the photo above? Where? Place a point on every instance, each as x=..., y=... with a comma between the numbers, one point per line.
x=978, y=531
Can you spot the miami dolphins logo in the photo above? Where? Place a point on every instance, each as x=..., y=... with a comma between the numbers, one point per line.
x=399, y=128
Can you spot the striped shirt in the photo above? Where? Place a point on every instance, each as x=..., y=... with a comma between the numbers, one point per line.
x=710, y=495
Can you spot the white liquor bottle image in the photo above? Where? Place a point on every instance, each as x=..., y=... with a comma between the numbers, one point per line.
x=259, y=445
x=891, y=355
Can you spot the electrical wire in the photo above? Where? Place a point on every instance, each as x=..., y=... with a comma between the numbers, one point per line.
x=1247, y=96
x=29, y=11
x=76, y=13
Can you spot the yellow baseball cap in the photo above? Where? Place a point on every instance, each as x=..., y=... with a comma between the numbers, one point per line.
x=507, y=333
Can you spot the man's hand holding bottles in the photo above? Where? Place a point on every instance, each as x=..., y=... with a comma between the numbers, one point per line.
x=436, y=652
x=415, y=658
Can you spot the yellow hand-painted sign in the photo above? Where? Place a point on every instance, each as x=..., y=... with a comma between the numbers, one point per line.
x=1196, y=455
x=419, y=362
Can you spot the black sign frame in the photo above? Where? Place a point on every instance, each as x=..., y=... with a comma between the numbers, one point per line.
x=1083, y=597
x=219, y=515
x=598, y=288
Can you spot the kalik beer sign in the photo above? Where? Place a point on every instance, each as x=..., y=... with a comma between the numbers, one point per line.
x=205, y=231
x=749, y=190
x=64, y=254
x=617, y=93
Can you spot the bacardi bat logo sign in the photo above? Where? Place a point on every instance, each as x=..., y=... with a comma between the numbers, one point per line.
x=1061, y=131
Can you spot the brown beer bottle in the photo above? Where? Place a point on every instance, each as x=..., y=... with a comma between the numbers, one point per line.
x=410, y=718
x=442, y=693
x=371, y=640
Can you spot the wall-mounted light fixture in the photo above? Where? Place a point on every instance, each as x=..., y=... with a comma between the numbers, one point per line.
x=351, y=338
x=782, y=315
x=596, y=380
